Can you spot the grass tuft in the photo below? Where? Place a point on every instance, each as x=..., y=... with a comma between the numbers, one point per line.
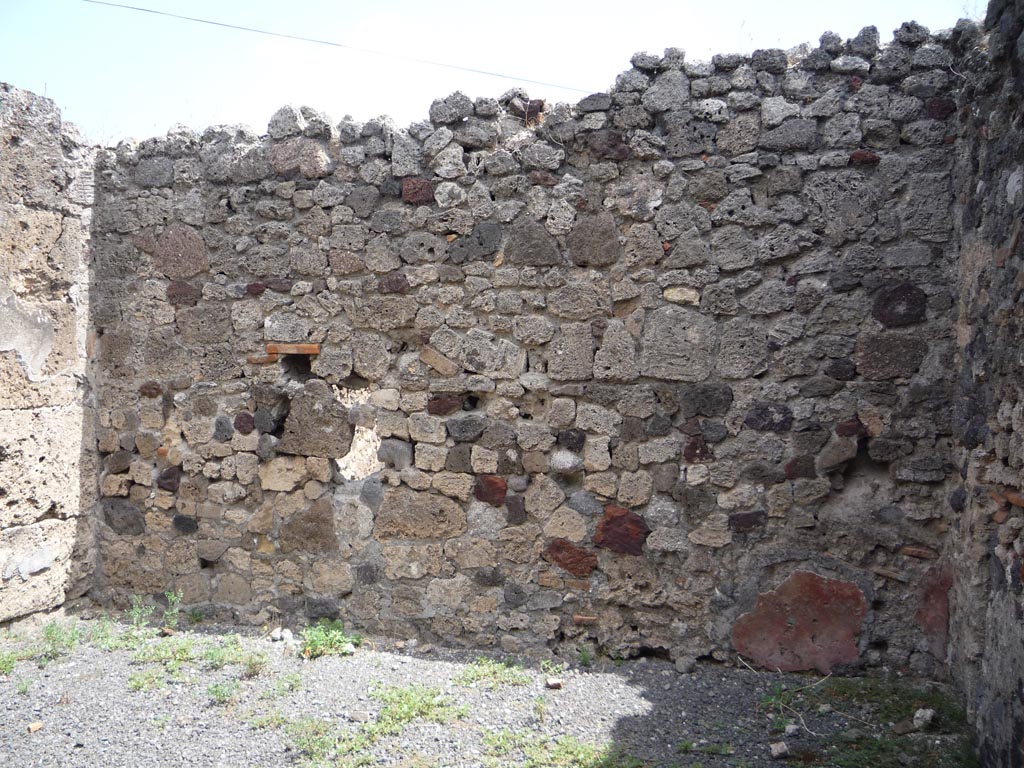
x=491, y=674
x=327, y=638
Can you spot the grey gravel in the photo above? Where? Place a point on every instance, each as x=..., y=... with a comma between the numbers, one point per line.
x=645, y=707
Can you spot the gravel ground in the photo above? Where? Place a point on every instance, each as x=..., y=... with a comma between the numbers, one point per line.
x=97, y=706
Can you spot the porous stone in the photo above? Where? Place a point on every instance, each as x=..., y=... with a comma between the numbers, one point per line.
x=529, y=244
x=677, y=344
x=594, y=241
x=317, y=424
x=180, y=252
x=407, y=514
x=889, y=355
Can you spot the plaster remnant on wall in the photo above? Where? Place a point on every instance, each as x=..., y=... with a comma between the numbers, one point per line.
x=25, y=330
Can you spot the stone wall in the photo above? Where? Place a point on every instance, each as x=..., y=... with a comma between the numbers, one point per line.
x=46, y=484
x=988, y=408
x=646, y=371
x=725, y=360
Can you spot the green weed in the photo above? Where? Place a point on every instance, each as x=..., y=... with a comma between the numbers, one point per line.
x=327, y=638
x=173, y=609
x=169, y=651
x=536, y=750
x=540, y=708
x=414, y=702
x=879, y=703
x=7, y=661
x=146, y=680
x=552, y=668
x=272, y=719
x=227, y=651
x=253, y=665
x=224, y=692
x=286, y=684
x=57, y=640
x=138, y=623
x=23, y=686
x=491, y=674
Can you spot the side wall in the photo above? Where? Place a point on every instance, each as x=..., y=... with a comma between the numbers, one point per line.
x=988, y=596
x=633, y=363
x=45, y=484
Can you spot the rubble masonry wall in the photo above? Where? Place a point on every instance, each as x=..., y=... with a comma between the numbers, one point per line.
x=724, y=360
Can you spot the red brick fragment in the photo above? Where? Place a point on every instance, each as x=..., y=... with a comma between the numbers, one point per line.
x=245, y=423
x=864, y=157
x=490, y=489
x=1014, y=497
x=799, y=466
x=932, y=614
x=182, y=294
x=938, y=108
x=543, y=178
x=851, y=428
x=417, y=191
x=621, y=531
x=576, y=560
x=442, y=405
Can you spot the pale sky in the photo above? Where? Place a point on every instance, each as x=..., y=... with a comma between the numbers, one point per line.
x=120, y=73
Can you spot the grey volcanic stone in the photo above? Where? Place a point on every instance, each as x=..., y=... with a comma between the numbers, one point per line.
x=889, y=355
x=677, y=344
x=594, y=241
x=529, y=244
x=317, y=424
x=899, y=305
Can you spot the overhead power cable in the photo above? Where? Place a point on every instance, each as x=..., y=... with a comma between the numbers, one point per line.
x=333, y=44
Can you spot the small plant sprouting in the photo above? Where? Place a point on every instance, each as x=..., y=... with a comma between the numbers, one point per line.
x=23, y=686
x=138, y=619
x=146, y=680
x=490, y=674
x=286, y=684
x=540, y=709
x=552, y=668
x=718, y=749
x=585, y=657
x=224, y=692
x=7, y=663
x=228, y=651
x=173, y=609
x=327, y=638
x=253, y=665
x=58, y=640
x=195, y=616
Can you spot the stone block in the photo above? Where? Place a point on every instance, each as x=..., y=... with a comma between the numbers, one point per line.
x=317, y=424
x=677, y=344
x=406, y=514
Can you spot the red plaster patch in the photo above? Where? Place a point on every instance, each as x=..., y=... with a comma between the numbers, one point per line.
x=809, y=622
